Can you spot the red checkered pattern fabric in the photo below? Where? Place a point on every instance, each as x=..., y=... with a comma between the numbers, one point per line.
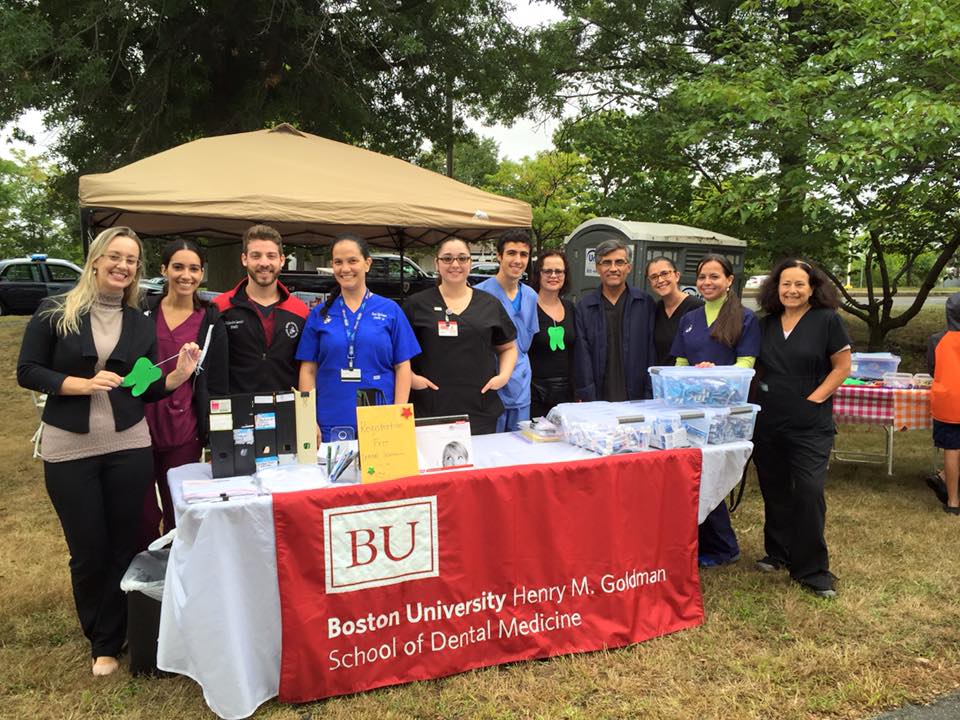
x=863, y=405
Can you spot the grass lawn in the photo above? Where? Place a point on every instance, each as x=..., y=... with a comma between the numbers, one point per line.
x=767, y=649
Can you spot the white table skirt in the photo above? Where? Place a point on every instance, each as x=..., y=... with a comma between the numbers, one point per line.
x=220, y=617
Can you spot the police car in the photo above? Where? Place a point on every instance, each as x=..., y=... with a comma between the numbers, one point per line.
x=25, y=282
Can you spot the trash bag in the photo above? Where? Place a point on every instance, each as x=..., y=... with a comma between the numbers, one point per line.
x=146, y=573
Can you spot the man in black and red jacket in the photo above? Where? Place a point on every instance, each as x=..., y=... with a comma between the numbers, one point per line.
x=262, y=318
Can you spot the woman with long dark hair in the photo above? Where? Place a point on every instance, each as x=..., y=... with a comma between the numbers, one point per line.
x=551, y=351
x=804, y=358
x=468, y=344
x=722, y=332
x=180, y=423
x=81, y=349
x=354, y=341
x=664, y=280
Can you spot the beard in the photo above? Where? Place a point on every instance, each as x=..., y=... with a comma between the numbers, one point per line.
x=253, y=275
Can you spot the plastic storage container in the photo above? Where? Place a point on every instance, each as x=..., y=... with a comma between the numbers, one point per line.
x=714, y=426
x=603, y=427
x=923, y=381
x=710, y=387
x=872, y=366
x=667, y=430
x=898, y=380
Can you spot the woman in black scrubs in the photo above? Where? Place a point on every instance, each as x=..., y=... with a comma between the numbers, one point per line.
x=467, y=341
x=674, y=303
x=804, y=358
x=551, y=351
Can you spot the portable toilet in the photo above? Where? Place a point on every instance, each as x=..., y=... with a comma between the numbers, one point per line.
x=684, y=245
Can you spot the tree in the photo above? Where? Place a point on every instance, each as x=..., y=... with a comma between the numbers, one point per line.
x=125, y=80
x=632, y=174
x=27, y=215
x=554, y=184
x=474, y=158
x=809, y=125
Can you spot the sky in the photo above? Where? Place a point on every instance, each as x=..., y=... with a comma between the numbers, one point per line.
x=524, y=137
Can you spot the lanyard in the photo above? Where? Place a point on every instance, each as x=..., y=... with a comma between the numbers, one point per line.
x=352, y=334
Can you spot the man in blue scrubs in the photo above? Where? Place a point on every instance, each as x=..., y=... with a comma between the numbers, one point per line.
x=520, y=302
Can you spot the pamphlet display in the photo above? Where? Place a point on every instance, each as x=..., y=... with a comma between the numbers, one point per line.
x=305, y=403
x=443, y=443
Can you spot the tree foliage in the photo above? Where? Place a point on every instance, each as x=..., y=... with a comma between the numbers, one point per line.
x=124, y=80
x=474, y=158
x=809, y=128
x=554, y=184
x=28, y=213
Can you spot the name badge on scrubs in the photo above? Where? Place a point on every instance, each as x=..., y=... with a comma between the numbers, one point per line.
x=447, y=328
x=350, y=375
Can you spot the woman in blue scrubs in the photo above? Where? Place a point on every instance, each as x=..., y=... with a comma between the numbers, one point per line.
x=354, y=341
x=722, y=332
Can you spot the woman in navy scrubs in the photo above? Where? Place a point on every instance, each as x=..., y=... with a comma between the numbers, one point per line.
x=468, y=342
x=722, y=332
x=551, y=351
x=674, y=303
x=804, y=358
x=354, y=341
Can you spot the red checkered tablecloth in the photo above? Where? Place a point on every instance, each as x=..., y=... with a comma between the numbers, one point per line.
x=864, y=405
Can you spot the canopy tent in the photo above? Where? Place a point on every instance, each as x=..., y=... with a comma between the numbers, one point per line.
x=309, y=188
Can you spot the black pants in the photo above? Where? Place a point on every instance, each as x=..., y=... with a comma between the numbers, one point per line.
x=100, y=504
x=792, y=469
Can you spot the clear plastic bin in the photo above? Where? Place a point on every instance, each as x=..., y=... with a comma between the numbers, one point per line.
x=603, y=427
x=715, y=426
x=898, y=380
x=872, y=366
x=667, y=430
x=709, y=387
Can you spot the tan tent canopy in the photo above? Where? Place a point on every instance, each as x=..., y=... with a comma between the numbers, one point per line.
x=309, y=188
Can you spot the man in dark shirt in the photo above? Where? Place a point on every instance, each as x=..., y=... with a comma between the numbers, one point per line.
x=614, y=333
x=262, y=318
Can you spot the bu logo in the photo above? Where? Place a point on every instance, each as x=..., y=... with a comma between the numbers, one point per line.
x=380, y=544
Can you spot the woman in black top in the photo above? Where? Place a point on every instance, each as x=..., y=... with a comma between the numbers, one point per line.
x=467, y=342
x=674, y=303
x=551, y=351
x=804, y=358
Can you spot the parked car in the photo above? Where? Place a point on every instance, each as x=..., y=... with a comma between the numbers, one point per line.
x=384, y=278
x=480, y=271
x=153, y=286
x=754, y=282
x=25, y=282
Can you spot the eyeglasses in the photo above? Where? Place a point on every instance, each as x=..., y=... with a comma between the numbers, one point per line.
x=619, y=262
x=117, y=259
x=662, y=275
x=451, y=259
x=553, y=271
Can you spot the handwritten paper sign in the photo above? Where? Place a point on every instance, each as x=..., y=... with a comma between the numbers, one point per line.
x=388, y=442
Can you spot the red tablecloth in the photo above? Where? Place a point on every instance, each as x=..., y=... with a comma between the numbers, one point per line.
x=865, y=405
x=424, y=577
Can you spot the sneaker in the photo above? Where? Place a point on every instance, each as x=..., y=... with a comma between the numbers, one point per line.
x=707, y=561
x=951, y=510
x=935, y=483
x=770, y=565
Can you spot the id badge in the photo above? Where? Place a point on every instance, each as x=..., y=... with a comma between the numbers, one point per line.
x=447, y=328
x=350, y=375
